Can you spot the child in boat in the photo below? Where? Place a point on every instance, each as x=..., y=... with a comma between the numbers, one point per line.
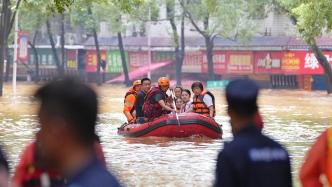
x=178, y=104
x=187, y=104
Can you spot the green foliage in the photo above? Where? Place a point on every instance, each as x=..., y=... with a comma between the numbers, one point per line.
x=229, y=19
x=313, y=17
x=54, y=6
x=33, y=15
x=110, y=11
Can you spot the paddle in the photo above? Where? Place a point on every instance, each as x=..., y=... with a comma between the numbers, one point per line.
x=176, y=114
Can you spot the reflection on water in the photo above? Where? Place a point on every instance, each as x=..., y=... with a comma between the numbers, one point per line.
x=294, y=118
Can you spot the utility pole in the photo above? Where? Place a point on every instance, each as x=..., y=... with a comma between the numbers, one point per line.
x=15, y=53
x=149, y=44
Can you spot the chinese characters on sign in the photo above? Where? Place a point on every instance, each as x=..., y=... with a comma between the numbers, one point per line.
x=192, y=62
x=240, y=63
x=219, y=63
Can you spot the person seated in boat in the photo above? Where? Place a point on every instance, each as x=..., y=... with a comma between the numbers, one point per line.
x=146, y=86
x=177, y=92
x=129, y=101
x=187, y=104
x=155, y=100
x=203, y=101
x=178, y=105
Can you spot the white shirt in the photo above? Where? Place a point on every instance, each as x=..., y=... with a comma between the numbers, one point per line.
x=186, y=106
x=208, y=100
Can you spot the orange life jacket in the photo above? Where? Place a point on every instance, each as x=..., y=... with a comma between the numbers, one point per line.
x=329, y=156
x=129, y=105
x=200, y=107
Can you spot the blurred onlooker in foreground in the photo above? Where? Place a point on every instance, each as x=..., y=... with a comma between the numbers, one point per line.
x=31, y=170
x=67, y=115
x=318, y=162
x=251, y=158
x=4, y=170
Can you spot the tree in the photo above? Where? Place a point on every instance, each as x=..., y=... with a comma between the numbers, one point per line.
x=114, y=22
x=179, y=46
x=7, y=18
x=312, y=19
x=33, y=19
x=228, y=19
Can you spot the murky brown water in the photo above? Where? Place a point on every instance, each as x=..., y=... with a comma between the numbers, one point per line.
x=295, y=118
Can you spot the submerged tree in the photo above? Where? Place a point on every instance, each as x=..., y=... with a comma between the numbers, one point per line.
x=228, y=19
x=312, y=18
x=179, y=41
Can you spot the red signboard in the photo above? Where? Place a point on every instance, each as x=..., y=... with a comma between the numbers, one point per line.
x=91, y=60
x=138, y=59
x=289, y=62
x=240, y=62
x=268, y=62
x=219, y=62
x=309, y=63
x=22, y=43
x=71, y=59
x=192, y=62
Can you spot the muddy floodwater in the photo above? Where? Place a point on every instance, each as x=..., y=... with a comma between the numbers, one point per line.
x=295, y=118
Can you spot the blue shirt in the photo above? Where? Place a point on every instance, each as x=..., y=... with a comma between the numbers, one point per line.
x=253, y=160
x=94, y=174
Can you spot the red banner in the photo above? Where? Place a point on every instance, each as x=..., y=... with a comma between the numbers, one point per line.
x=240, y=62
x=219, y=62
x=71, y=59
x=289, y=62
x=192, y=62
x=22, y=50
x=309, y=63
x=91, y=60
x=268, y=62
x=138, y=59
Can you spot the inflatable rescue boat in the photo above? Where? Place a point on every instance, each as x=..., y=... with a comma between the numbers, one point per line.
x=185, y=125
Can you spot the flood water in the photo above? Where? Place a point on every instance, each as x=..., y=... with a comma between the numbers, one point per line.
x=295, y=118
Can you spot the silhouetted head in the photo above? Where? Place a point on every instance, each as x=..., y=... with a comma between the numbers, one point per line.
x=241, y=96
x=67, y=115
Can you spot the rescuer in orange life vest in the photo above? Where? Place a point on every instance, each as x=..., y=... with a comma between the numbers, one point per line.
x=203, y=101
x=318, y=162
x=155, y=100
x=129, y=101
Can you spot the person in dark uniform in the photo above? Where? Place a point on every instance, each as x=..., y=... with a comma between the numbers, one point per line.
x=146, y=86
x=251, y=159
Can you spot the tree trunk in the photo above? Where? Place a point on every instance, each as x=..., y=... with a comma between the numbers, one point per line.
x=3, y=37
x=7, y=57
x=98, y=57
x=95, y=36
x=326, y=66
x=176, y=50
x=63, y=52
x=182, y=51
x=54, y=51
x=209, y=56
x=123, y=60
x=6, y=50
x=35, y=52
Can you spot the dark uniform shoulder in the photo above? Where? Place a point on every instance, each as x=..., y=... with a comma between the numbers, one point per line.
x=94, y=175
